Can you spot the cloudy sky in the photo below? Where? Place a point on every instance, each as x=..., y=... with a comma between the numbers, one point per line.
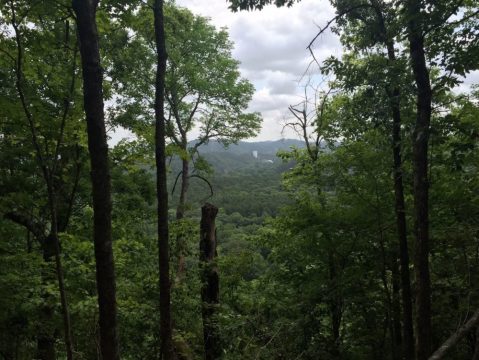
x=271, y=46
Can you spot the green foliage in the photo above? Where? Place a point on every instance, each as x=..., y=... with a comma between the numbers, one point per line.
x=307, y=247
x=236, y=5
x=204, y=90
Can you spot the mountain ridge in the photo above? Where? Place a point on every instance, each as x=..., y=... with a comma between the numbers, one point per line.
x=268, y=147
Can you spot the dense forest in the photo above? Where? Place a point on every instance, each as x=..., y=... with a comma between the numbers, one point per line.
x=357, y=240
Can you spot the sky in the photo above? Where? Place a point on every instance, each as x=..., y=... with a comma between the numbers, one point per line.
x=271, y=46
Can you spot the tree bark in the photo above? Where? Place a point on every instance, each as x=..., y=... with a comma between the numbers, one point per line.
x=454, y=338
x=166, y=347
x=400, y=209
x=210, y=281
x=421, y=191
x=394, y=95
x=85, y=11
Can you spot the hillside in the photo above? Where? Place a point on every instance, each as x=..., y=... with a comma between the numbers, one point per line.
x=245, y=177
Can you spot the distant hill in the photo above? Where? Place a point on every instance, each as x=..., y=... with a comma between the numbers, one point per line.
x=246, y=178
x=246, y=147
x=246, y=154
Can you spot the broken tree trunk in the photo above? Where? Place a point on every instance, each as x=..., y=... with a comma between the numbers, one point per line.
x=210, y=281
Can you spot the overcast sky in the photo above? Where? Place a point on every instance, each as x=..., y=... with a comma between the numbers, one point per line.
x=271, y=46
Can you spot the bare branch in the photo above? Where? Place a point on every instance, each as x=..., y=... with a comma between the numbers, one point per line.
x=328, y=24
x=176, y=182
x=206, y=181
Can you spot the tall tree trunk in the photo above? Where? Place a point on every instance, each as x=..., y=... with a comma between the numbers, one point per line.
x=85, y=11
x=166, y=348
x=210, y=281
x=394, y=95
x=421, y=191
x=180, y=214
x=400, y=209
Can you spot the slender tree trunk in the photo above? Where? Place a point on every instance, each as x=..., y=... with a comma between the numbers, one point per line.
x=389, y=319
x=48, y=178
x=166, y=348
x=180, y=214
x=396, y=309
x=85, y=11
x=408, y=332
x=421, y=191
x=46, y=334
x=400, y=209
x=210, y=281
x=59, y=271
x=394, y=95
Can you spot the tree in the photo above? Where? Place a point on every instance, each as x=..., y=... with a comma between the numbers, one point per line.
x=418, y=26
x=204, y=92
x=366, y=25
x=45, y=92
x=100, y=174
x=166, y=349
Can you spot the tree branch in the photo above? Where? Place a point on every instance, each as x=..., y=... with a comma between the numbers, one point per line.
x=454, y=338
x=32, y=226
x=328, y=24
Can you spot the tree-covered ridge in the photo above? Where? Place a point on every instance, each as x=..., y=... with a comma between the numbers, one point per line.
x=357, y=241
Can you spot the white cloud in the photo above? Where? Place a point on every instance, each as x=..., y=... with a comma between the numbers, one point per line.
x=272, y=47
